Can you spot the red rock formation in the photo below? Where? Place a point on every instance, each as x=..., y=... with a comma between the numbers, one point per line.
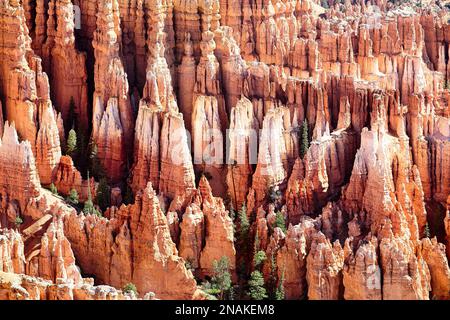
x=177, y=174
x=48, y=151
x=219, y=231
x=405, y=276
x=324, y=269
x=68, y=68
x=128, y=257
x=269, y=269
x=26, y=90
x=23, y=287
x=387, y=169
x=41, y=251
x=67, y=177
x=209, y=117
x=242, y=151
x=291, y=259
x=362, y=273
x=186, y=81
x=192, y=235
x=161, y=144
x=112, y=113
x=434, y=255
x=19, y=177
x=12, y=258
x=146, y=148
x=53, y=258
x=208, y=141
x=322, y=172
x=158, y=90
x=187, y=20
x=271, y=170
x=233, y=66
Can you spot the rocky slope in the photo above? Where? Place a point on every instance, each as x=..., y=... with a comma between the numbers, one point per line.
x=314, y=133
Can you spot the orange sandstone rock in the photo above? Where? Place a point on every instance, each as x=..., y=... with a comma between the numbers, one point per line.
x=128, y=256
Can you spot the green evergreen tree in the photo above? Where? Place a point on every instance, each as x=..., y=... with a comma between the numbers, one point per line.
x=243, y=230
x=244, y=224
x=72, y=198
x=232, y=213
x=18, y=221
x=304, y=139
x=71, y=144
x=53, y=189
x=221, y=284
x=130, y=287
x=259, y=258
x=279, y=221
x=426, y=232
x=188, y=265
x=103, y=198
x=279, y=293
x=89, y=207
x=257, y=291
x=233, y=218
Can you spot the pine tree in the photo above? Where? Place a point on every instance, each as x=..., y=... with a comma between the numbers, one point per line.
x=244, y=224
x=233, y=218
x=304, y=140
x=257, y=291
x=103, y=198
x=244, y=229
x=221, y=281
x=189, y=265
x=53, y=189
x=72, y=198
x=130, y=287
x=259, y=258
x=18, y=221
x=71, y=144
x=279, y=221
x=89, y=207
x=232, y=213
x=279, y=293
x=427, y=232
